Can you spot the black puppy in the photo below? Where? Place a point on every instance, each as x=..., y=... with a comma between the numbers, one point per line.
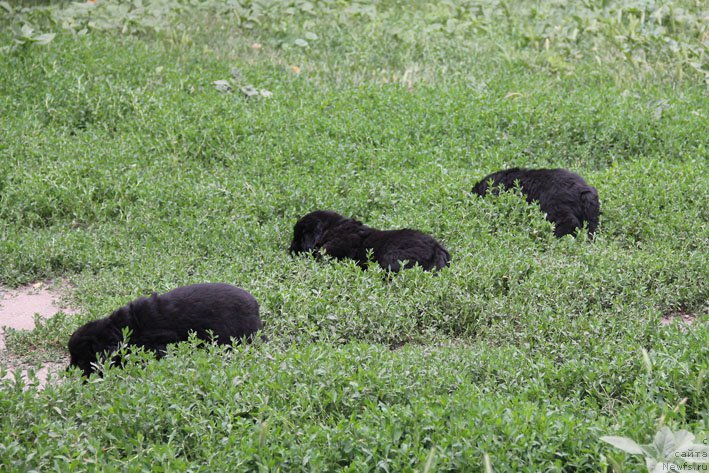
x=343, y=237
x=565, y=197
x=222, y=309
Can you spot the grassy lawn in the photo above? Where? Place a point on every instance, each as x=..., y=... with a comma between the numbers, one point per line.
x=126, y=171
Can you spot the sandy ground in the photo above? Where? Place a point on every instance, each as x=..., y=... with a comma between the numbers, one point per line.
x=17, y=310
x=682, y=316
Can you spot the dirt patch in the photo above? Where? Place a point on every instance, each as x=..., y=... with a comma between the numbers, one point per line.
x=12, y=365
x=687, y=318
x=397, y=345
x=17, y=310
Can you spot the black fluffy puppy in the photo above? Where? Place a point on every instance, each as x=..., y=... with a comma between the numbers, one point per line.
x=343, y=237
x=565, y=197
x=222, y=309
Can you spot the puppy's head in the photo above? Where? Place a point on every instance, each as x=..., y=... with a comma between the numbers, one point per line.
x=309, y=229
x=505, y=177
x=90, y=341
x=481, y=187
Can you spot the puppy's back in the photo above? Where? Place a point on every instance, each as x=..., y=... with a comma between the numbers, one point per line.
x=219, y=310
x=535, y=183
x=566, y=198
x=392, y=246
x=225, y=310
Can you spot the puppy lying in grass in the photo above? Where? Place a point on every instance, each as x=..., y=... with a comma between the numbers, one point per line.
x=564, y=196
x=219, y=311
x=343, y=237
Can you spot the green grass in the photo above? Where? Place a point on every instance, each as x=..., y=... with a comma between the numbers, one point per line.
x=123, y=169
x=360, y=407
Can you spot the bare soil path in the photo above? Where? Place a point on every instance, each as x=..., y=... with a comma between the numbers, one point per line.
x=17, y=310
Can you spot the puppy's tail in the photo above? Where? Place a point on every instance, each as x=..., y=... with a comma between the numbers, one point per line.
x=591, y=209
x=441, y=257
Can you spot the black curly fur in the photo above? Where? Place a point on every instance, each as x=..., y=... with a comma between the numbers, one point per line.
x=223, y=310
x=564, y=196
x=342, y=237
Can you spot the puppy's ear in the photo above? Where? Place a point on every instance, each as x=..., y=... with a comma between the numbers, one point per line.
x=98, y=346
x=91, y=352
x=310, y=238
x=317, y=234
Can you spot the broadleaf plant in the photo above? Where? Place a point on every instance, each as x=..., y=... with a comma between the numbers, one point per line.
x=667, y=452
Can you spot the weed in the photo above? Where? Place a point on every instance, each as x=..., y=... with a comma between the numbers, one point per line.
x=124, y=169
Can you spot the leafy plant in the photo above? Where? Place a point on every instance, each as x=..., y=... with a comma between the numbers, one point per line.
x=27, y=35
x=124, y=170
x=668, y=452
